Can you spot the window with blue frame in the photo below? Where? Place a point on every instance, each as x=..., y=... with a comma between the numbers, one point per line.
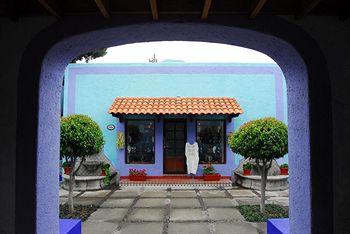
x=211, y=141
x=139, y=137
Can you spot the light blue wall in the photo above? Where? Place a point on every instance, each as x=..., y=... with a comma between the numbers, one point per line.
x=91, y=88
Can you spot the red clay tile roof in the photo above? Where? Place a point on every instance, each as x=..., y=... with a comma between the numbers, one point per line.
x=177, y=105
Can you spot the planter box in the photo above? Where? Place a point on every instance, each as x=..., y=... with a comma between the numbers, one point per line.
x=212, y=177
x=137, y=178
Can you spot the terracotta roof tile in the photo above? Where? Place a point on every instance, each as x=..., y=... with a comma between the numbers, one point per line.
x=176, y=105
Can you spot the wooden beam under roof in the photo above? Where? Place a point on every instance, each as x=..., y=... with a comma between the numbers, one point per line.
x=154, y=9
x=206, y=8
x=306, y=7
x=103, y=7
x=257, y=8
x=52, y=7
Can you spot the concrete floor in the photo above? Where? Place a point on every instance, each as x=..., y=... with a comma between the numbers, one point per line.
x=132, y=210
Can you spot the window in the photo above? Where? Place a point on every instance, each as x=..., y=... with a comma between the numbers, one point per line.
x=139, y=141
x=211, y=141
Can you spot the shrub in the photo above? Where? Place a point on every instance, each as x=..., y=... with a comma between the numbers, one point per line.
x=80, y=136
x=262, y=140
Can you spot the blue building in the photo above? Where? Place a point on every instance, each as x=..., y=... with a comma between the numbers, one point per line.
x=159, y=107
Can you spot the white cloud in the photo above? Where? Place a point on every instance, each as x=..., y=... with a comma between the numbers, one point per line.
x=191, y=52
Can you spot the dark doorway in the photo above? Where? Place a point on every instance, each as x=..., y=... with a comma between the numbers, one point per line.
x=174, y=146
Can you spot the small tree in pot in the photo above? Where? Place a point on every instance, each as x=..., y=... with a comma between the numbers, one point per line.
x=262, y=140
x=80, y=137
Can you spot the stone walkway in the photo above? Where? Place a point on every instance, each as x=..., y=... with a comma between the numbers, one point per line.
x=132, y=210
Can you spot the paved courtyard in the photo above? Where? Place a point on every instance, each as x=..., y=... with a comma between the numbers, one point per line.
x=132, y=210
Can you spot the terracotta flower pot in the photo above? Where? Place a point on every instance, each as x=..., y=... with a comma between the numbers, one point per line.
x=284, y=171
x=66, y=170
x=246, y=171
x=137, y=177
x=212, y=177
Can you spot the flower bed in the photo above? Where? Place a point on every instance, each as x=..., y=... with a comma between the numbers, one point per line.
x=251, y=213
x=80, y=212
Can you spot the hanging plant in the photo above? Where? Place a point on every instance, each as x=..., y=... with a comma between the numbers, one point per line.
x=120, y=140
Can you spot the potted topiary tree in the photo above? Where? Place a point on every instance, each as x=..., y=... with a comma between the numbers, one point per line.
x=262, y=140
x=80, y=137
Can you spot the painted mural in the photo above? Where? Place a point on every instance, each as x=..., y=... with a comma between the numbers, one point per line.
x=90, y=89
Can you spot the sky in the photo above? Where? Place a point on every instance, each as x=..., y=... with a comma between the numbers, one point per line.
x=181, y=51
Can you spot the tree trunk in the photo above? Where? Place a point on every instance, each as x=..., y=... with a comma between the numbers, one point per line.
x=71, y=185
x=263, y=186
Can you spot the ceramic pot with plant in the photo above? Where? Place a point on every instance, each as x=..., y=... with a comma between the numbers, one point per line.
x=209, y=173
x=66, y=168
x=137, y=175
x=284, y=169
x=247, y=168
x=105, y=169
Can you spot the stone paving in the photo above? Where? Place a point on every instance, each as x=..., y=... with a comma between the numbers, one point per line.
x=172, y=210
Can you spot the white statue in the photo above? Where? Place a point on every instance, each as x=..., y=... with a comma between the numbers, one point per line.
x=192, y=157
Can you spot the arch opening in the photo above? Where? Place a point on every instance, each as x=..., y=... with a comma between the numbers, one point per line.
x=46, y=148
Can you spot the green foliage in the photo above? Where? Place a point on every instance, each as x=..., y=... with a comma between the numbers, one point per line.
x=120, y=140
x=80, y=136
x=208, y=169
x=91, y=55
x=252, y=213
x=284, y=165
x=105, y=166
x=265, y=138
x=247, y=166
x=65, y=164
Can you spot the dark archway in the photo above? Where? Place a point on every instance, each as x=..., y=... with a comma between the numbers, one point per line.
x=294, y=51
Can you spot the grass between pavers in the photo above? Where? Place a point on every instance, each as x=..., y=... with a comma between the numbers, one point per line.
x=80, y=212
x=252, y=213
